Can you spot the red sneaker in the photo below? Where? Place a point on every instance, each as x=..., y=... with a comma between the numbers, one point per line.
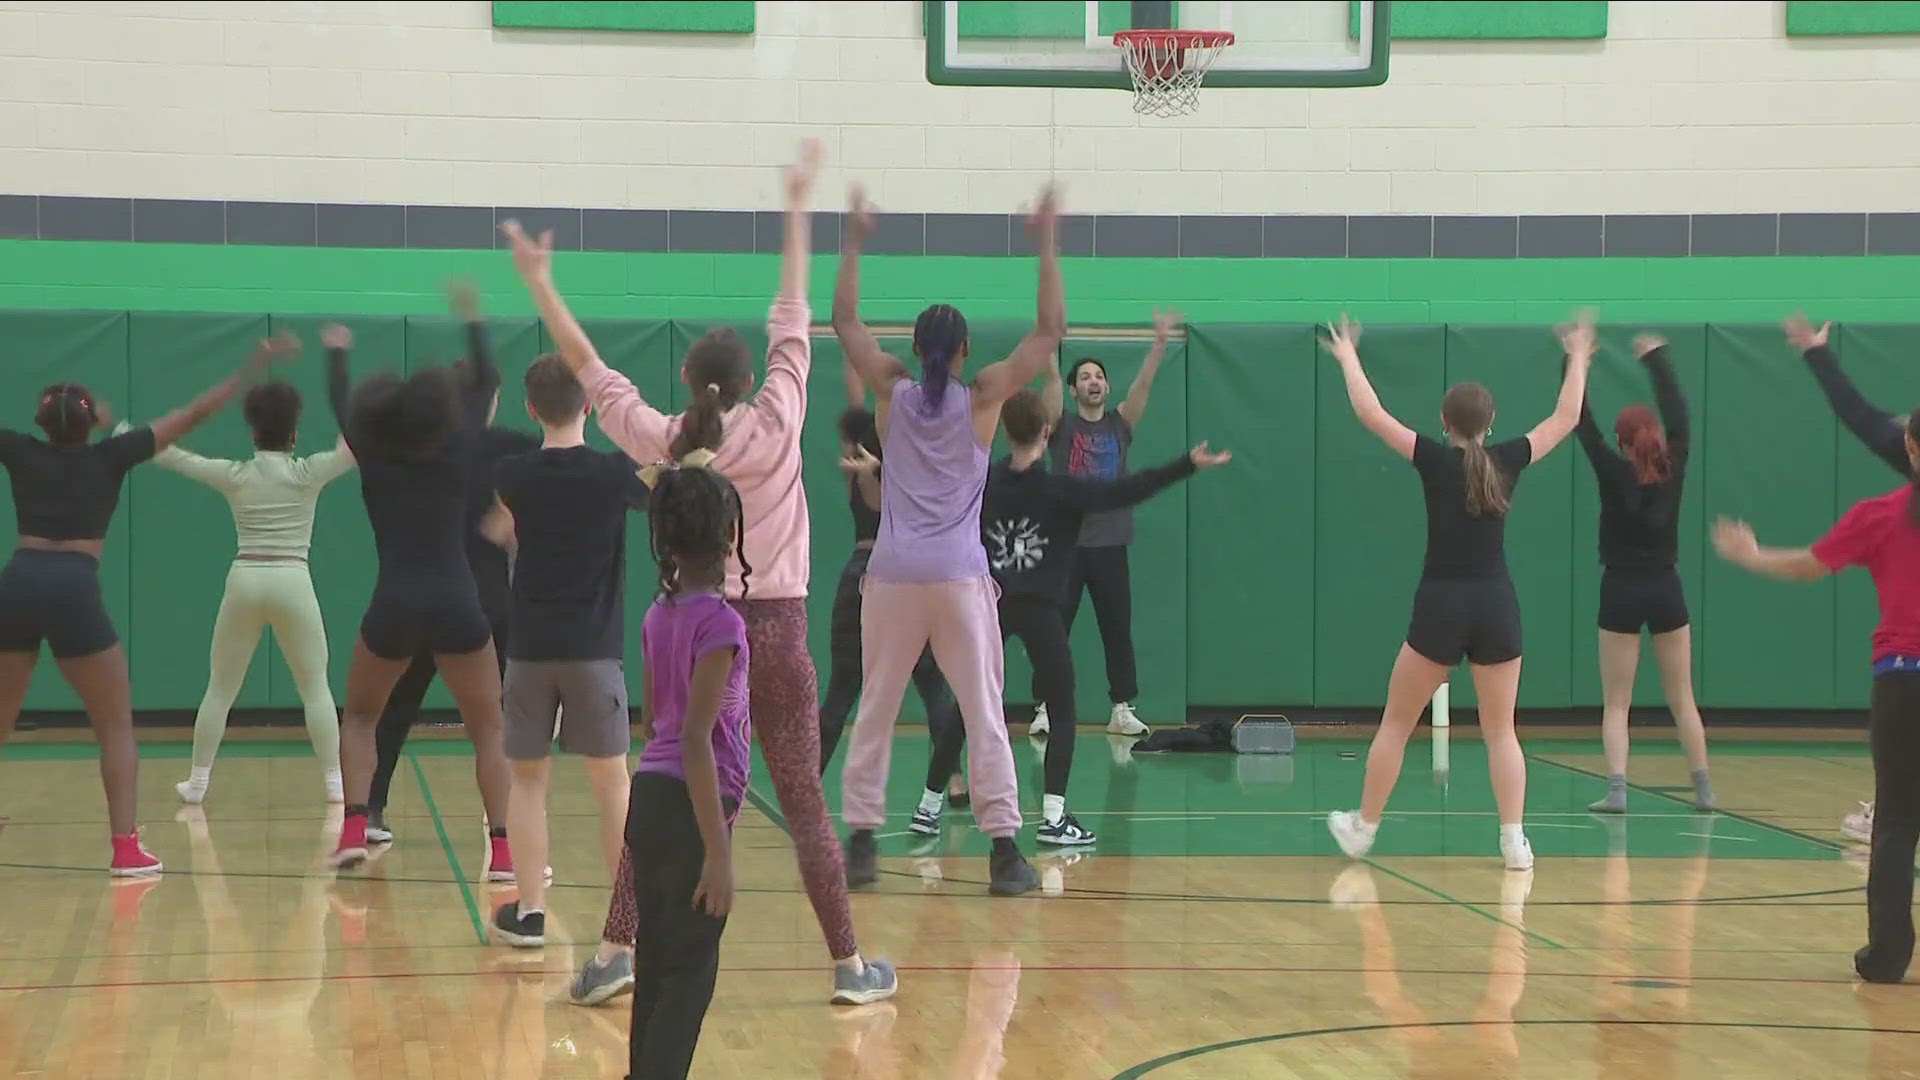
x=500, y=862
x=352, y=850
x=130, y=859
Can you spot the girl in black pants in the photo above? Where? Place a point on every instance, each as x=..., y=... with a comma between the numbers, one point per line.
x=1882, y=433
x=860, y=460
x=1640, y=486
x=1029, y=520
x=1883, y=535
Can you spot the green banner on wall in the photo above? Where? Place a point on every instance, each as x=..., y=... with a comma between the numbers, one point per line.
x=1492, y=20
x=710, y=17
x=1843, y=18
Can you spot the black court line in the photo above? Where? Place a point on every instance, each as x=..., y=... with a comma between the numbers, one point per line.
x=1145, y=1067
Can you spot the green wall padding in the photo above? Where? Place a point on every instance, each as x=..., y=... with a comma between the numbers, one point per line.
x=1839, y=18
x=1769, y=458
x=1492, y=20
x=670, y=16
x=1250, y=389
x=1053, y=21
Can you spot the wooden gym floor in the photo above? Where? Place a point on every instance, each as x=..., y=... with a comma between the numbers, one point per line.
x=1212, y=933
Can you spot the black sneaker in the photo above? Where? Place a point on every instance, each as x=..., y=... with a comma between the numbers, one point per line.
x=1067, y=832
x=517, y=930
x=377, y=830
x=863, y=859
x=925, y=822
x=1011, y=874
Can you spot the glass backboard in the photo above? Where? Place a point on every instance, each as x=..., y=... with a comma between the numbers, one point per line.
x=1064, y=43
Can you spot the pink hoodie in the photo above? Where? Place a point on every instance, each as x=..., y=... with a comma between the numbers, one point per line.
x=759, y=450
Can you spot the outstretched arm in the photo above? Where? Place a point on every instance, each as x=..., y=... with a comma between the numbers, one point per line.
x=1577, y=338
x=1735, y=542
x=1667, y=395
x=635, y=427
x=483, y=378
x=1083, y=493
x=875, y=368
x=1036, y=352
x=1879, y=431
x=216, y=473
x=174, y=426
x=338, y=341
x=1135, y=407
x=789, y=325
x=1343, y=341
x=1053, y=393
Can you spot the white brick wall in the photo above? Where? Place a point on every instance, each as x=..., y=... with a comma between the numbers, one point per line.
x=1686, y=107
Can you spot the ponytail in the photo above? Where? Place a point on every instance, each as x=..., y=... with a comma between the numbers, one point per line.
x=1638, y=431
x=1913, y=501
x=700, y=426
x=939, y=335
x=1486, y=488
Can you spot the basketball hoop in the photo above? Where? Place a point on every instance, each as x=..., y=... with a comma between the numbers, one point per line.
x=1167, y=66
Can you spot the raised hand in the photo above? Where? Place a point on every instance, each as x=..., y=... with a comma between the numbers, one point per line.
x=464, y=298
x=1045, y=216
x=531, y=258
x=1164, y=324
x=1645, y=343
x=800, y=176
x=859, y=461
x=1578, y=337
x=859, y=223
x=1204, y=458
x=335, y=336
x=1802, y=335
x=1734, y=540
x=1343, y=339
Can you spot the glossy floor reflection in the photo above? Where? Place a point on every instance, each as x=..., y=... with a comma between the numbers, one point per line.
x=1211, y=932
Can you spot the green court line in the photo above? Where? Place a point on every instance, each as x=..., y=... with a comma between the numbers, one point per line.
x=446, y=845
x=1488, y=915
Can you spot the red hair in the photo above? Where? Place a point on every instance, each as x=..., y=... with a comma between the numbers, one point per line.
x=1644, y=443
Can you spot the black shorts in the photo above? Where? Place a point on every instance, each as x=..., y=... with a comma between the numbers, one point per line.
x=54, y=596
x=413, y=614
x=1477, y=619
x=1631, y=599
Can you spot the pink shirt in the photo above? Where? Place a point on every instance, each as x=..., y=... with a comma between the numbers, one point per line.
x=759, y=450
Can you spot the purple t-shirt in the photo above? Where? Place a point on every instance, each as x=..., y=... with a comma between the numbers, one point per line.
x=679, y=631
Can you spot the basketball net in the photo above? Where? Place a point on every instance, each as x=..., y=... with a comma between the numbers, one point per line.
x=1167, y=67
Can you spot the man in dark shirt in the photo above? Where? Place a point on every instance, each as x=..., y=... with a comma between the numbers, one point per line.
x=563, y=510
x=1091, y=442
x=486, y=559
x=1030, y=522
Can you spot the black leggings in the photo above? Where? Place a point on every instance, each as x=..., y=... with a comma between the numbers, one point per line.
x=1039, y=626
x=844, y=670
x=403, y=711
x=676, y=956
x=1103, y=572
x=1894, y=723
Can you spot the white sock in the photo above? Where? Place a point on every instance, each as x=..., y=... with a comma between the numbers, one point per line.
x=1512, y=834
x=931, y=802
x=526, y=911
x=1053, y=808
x=852, y=963
x=200, y=777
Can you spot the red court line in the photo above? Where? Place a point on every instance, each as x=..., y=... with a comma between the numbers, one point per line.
x=935, y=969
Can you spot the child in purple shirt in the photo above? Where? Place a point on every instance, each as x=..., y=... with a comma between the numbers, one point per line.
x=693, y=771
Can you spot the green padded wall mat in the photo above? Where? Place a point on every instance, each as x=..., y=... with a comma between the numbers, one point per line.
x=1843, y=18
x=670, y=16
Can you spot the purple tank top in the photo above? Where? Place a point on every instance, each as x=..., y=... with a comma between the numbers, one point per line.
x=930, y=490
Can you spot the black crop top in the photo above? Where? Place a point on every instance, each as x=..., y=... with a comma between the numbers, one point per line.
x=1460, y=543
x=417, y=506
x=1640, y=523
x=70, y=492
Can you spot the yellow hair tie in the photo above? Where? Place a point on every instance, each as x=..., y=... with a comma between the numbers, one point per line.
x=694, y=459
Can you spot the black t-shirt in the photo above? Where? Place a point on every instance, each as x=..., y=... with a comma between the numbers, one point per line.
x=1096, y=450
x=1030, y=520
x=1460, y=543
x=489, y=562
x=70, y=492
x=866, y=519
x=569, y=573
x=1640, y=523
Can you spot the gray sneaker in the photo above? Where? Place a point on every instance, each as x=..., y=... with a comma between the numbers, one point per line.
x=876, y=983
x=599, y=983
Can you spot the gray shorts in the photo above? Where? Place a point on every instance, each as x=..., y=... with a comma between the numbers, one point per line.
x=586, y=698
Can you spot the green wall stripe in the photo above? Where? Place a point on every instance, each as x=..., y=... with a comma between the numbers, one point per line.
x=1051, y=21
x=1837, y=18
x=677, y=16
x=1494, y=20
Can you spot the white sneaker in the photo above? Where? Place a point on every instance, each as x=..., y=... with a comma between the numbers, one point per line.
x=1039, y=727
x=191, y=793
x=1125, y=723
x=1518, y=853
x=1354, y=836
x=1858, y=827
